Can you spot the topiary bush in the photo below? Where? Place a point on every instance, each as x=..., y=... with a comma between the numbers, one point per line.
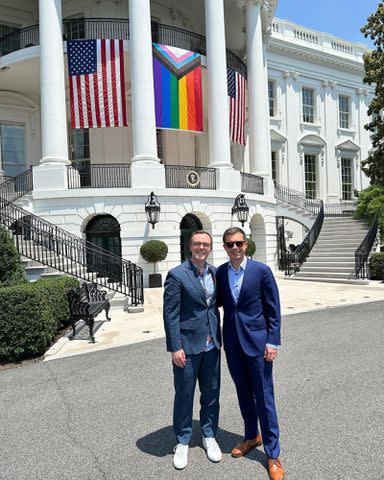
x=154, y=251
x=30, y=316
x=11, y=269
x=376, y=266
x=251, y=248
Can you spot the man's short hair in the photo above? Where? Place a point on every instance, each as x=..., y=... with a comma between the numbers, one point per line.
x=232, y=231
x=197, y=232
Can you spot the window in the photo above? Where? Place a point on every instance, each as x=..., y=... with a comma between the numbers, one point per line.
x=272, y=98
x=74, y=28
x=308, y=100
x=12, y=43
x=346, y=179
x=274, y=167
x=344, y=111
x=160, y=144
x=310, y=174
x=79, y=154
x=12, y=149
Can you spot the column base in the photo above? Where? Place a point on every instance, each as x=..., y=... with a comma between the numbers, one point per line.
x=54, y=161
x=228, y=179
x=52, y=176
x=147, y=174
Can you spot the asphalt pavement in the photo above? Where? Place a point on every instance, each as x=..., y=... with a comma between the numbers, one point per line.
x=107, y=414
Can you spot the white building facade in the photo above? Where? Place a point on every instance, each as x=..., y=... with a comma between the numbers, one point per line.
x=306, y=110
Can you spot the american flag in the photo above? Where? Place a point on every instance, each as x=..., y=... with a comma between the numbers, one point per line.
x=236, y=93
x=96, y=83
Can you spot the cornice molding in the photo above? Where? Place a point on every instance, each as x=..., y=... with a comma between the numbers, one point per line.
x=314, y=56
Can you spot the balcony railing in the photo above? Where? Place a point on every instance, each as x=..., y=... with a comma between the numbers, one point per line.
x=297, y=199
x=86, y=175
x=81, y=28
x=252, y=183
x=178, y=176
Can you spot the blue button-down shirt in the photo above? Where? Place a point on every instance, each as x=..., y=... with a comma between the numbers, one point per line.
x=235, y=279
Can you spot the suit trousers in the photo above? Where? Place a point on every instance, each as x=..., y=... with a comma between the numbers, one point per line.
x=253, y=379
x=203, y=367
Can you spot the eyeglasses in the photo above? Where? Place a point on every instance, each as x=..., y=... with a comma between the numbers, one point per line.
x=201, y=244
x=238, y=244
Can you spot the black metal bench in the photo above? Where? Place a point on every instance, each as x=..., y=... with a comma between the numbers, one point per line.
x=85, y=303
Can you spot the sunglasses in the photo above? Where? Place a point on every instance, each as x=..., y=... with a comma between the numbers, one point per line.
x=238, y=244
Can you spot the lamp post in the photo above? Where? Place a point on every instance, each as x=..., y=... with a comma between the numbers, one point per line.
x=152, y=209
x=241, y=209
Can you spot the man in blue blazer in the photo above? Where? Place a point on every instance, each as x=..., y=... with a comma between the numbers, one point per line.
x=251, y=335
x=192, y=328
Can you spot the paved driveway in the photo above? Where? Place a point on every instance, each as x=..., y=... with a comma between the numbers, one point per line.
x=107, y=415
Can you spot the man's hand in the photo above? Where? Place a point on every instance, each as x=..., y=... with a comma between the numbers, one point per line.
x=270, y=354
x=178, y=358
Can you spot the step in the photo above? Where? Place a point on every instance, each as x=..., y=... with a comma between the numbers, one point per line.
x=326, y=264
x=357, y=281
x=329, y=258
x=329, y=274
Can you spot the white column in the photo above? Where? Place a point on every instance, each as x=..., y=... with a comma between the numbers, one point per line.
x=218, y=111
x=51, y=174
x=259, y=136
x=54, y=143
x=146, y=169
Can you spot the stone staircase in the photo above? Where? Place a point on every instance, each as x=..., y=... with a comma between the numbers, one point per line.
x=332, y=259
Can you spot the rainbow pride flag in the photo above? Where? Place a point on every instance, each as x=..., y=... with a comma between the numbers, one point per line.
x=178, y=90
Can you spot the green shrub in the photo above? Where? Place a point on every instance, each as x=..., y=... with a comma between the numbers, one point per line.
x=54, y=291
x=30, y=316
x=251, y=248
x=376, y=266
x=11, y=269
x=370, y=201
x=154, y=251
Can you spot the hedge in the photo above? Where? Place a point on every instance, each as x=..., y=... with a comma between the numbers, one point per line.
x=11, y=269
x=376, y=266
x=30, y=316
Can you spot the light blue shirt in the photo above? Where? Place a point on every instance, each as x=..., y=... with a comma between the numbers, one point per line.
x=207, y=282
x=235, y=279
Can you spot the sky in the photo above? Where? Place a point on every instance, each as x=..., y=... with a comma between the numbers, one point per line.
x=342, y=18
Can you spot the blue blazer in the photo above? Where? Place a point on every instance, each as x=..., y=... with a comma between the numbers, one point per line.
x=255, y=319
x=188, y=319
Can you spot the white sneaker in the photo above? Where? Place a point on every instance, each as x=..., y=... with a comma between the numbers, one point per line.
x=180, y=458
x=212, y=449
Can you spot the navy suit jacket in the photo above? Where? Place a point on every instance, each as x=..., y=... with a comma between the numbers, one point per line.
x=255, y=319
x=188, y=319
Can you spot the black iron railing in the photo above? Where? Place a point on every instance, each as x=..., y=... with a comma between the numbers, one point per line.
x=179, y=176
x=15, y=187
x=252, y=183
x=78, y=28
x=295, y=259
x=340, y=209
x=50, y=245
x=297, y=199
x=87, y=175
x=363, y=251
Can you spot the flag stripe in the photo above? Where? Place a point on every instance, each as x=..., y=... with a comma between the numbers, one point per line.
x=122, y=84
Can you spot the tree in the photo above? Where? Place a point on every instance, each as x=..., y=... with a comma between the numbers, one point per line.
x=373, y=166
x=11, y=269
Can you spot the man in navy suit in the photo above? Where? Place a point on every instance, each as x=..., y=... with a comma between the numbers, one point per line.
x=192, y=328
x=251, y=335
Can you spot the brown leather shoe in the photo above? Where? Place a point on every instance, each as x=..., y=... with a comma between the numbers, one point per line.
x=246, y=446
x=275, y=470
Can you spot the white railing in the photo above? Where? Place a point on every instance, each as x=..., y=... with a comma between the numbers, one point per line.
x=325, y=42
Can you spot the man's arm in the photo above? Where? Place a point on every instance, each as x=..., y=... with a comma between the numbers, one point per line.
x=171, y=317
x=271, y=304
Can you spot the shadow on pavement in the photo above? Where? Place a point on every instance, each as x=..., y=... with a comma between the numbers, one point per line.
x=162, y=442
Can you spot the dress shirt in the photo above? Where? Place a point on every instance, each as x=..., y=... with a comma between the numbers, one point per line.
x=205, y=277
x=235, y=279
